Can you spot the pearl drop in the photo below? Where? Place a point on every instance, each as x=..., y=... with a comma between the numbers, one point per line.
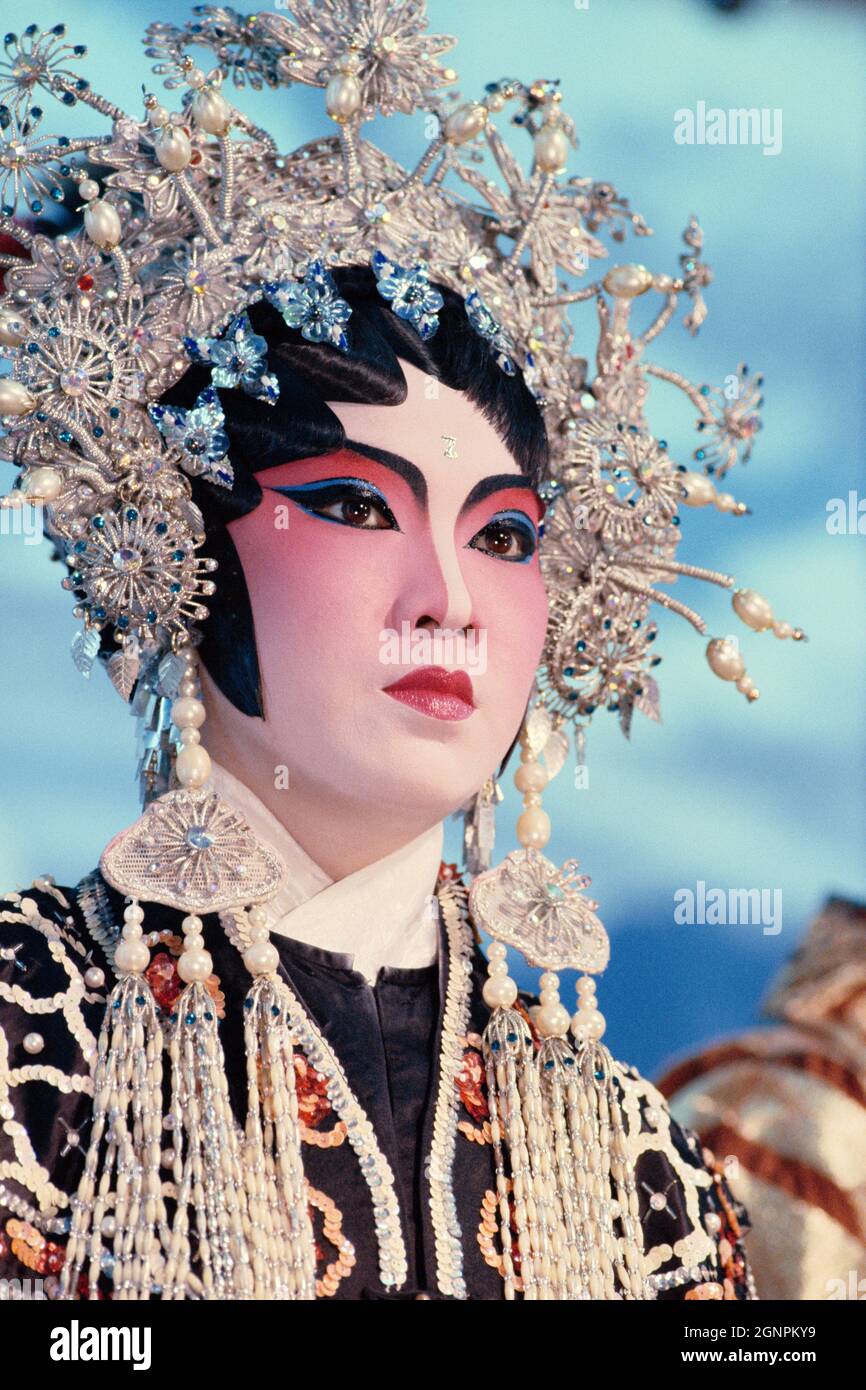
x=782, y=629
x=194, y=965
x=533, y=828
x=194, y=78
x=698, y=489
x=45, y=483
x=342, y=97
x=15, y=399
x=745, y=685
x=551, y=149
x=531, y=777
x=12, y=329
x=261, y=958
x=499, y=993
x=725, y=659
x=726, y=502
x=157, y=116
x=627, y=281
x=753, y=608
x=88, y=189
x=102, y=224
x=94, y=978
x=192, y=766
x=173, y=149
x=33, y=1043
x=465, y=123
x=188, y=713
x=132, y=957
x=211, y=112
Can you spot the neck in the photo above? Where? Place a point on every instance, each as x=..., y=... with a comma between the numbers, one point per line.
x=340, y=834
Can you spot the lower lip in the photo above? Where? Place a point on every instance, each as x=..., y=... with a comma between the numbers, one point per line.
x=434, y=703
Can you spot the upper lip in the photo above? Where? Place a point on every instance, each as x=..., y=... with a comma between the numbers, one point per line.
x=437, y=679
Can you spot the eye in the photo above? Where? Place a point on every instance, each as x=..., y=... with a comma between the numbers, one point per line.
x=348, y=501
x=507, y=536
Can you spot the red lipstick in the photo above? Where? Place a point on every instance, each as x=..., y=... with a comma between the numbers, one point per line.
x=434, y=691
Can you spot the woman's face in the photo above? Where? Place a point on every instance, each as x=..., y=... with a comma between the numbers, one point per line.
x=437, y=534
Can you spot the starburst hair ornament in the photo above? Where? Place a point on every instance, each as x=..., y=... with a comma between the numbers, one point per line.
x=196, y=215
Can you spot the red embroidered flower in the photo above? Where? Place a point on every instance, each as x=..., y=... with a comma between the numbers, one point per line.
x=471, y=1084
x=312, y=1088
x=448, y=873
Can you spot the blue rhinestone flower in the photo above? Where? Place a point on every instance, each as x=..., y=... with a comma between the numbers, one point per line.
x=489, y=327
x=314, y=306
x=410, y=293
x=238, y=359
x=200, y=435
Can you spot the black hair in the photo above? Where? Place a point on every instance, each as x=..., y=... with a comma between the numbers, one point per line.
x=300, y=425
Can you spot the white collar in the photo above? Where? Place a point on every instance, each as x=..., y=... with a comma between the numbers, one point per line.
x=382, y=915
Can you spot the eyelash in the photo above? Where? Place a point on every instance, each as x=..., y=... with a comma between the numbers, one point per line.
x=332, y=491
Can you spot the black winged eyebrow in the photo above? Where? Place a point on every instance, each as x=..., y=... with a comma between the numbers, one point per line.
x=417, y=483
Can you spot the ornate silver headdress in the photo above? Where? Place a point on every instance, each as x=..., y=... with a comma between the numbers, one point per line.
x=199, y=215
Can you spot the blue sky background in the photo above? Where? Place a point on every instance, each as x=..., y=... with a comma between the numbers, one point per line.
x=739, y=796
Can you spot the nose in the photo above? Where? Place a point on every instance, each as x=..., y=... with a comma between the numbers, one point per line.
x=434, y=592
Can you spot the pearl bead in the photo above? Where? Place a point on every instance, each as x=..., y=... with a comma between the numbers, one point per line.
x=94, y=978
x=173, y=149
x=531, y=777
x=188, y=737
x=725, y=659
x=257, y=916
x=552, y=1020
x=157, y=116
x=663, y=282
x=192, y=766
x=15, y=399
x=131, y=957
x=497, y=950
x=726, y=502
x=88, y=189
x=44, y=483
x=588, y=1026
x=698, y=489
x=782, y=629
x=342, y=97
x=499, y=993
x=12, y=329
x=533, y=828
x=754, y=609
x=102, y=224
x=33, y=1043
x=211, y=112
x=261, y=958
x=551, y=150
x=194, y=965
x=497, y=968
x=627, y=281
x=465, y=123
x=133, y=913
x=188, y=713
x=745, y=685
x=191, y=923
x=194, y=78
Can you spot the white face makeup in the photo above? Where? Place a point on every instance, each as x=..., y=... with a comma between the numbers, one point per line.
x=391, y=535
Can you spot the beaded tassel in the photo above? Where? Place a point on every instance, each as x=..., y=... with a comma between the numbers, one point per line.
x=283, y=1245
x=208, y=1167
x=118, y=1207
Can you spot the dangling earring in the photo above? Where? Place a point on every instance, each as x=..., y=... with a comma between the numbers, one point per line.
x=479, y=827
x=555, y=1110
x=190, y=851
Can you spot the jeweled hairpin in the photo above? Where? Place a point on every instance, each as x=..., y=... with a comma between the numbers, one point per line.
x=199, y=435
x=237, y=359
x=313, y=306
x=409, y=292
